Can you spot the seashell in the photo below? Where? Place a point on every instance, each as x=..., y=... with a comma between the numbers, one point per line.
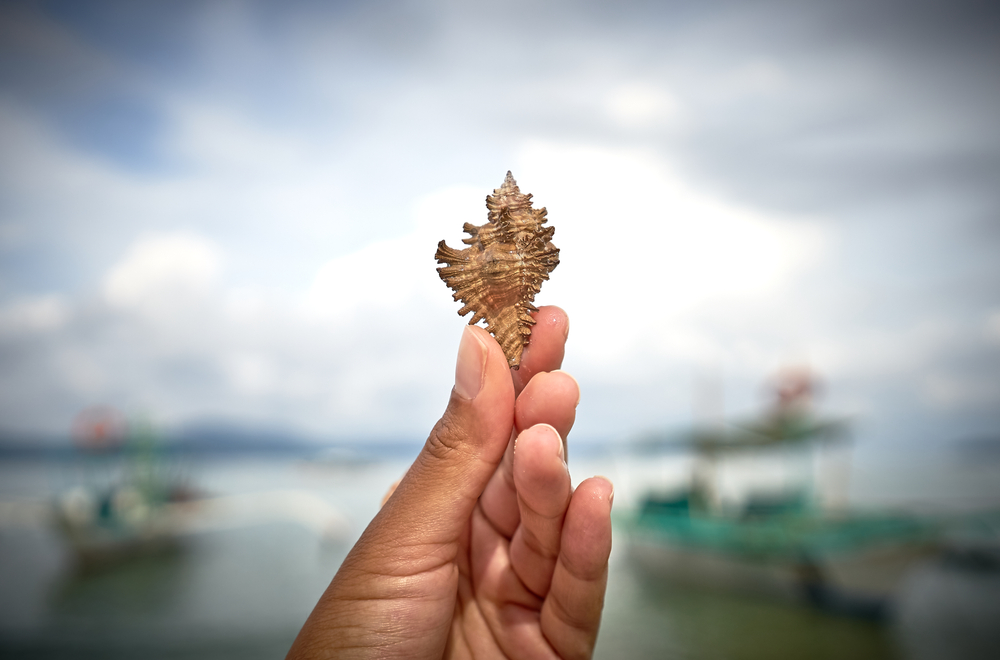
x=503, y=268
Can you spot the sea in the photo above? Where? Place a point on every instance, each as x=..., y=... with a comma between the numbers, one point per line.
x=243, y=588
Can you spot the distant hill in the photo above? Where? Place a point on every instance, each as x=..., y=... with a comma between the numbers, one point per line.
x=213, y=437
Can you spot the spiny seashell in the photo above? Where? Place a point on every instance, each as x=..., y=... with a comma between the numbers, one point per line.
x=503, y=268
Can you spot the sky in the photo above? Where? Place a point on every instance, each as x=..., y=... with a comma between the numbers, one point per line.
x=227, y=212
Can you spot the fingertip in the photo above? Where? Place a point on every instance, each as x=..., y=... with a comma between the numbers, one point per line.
x=587, y=533
x=554, y=317
x=553, y=311
x=540, y=472
x=470, y=367
x=601, y=489
x=546, y=347
x=496, y=371
x=553, y=441
x=550, y=397
x=534, y=447
x=576, y=383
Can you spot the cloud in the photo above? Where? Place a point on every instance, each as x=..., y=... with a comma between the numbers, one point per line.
x=642, y=105
x=638, y=240
x=362, y=340
x=33, y=315
x=159, y=272
x=730, y=191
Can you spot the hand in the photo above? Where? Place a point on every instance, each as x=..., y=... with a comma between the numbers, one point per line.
x=481, y=551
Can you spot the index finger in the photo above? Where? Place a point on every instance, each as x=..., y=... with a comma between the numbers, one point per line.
x=546, y=347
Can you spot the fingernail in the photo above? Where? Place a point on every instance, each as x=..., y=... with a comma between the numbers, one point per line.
x=560, y=371
x=611, y=495
x=470, y=366
x=560, y=449
x=560, y=444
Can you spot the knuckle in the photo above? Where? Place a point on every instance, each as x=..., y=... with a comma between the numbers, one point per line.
x=547, y=548
x=585, y=569
x=447, y=438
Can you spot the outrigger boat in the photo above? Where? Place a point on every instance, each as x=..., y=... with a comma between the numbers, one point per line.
x=786, y=543
x=131, y=504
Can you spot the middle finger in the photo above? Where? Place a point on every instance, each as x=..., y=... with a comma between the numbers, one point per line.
x=549, y=398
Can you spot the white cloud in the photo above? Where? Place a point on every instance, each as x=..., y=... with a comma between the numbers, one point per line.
x=397, y=276
x=160, y=273
x=639, y=243
x=279, y=267
x=642, y=105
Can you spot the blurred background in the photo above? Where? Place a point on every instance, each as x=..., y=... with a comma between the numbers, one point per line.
x=222, y=335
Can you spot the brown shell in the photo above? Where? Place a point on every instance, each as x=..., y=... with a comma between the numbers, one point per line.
x=503, y=268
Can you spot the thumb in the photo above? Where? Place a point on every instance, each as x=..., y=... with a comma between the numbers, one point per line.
x=435, y=498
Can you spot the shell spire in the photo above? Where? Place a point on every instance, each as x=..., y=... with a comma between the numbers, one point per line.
x=507, y=260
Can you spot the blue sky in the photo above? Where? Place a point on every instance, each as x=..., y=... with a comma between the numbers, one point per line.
x=228, y=211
